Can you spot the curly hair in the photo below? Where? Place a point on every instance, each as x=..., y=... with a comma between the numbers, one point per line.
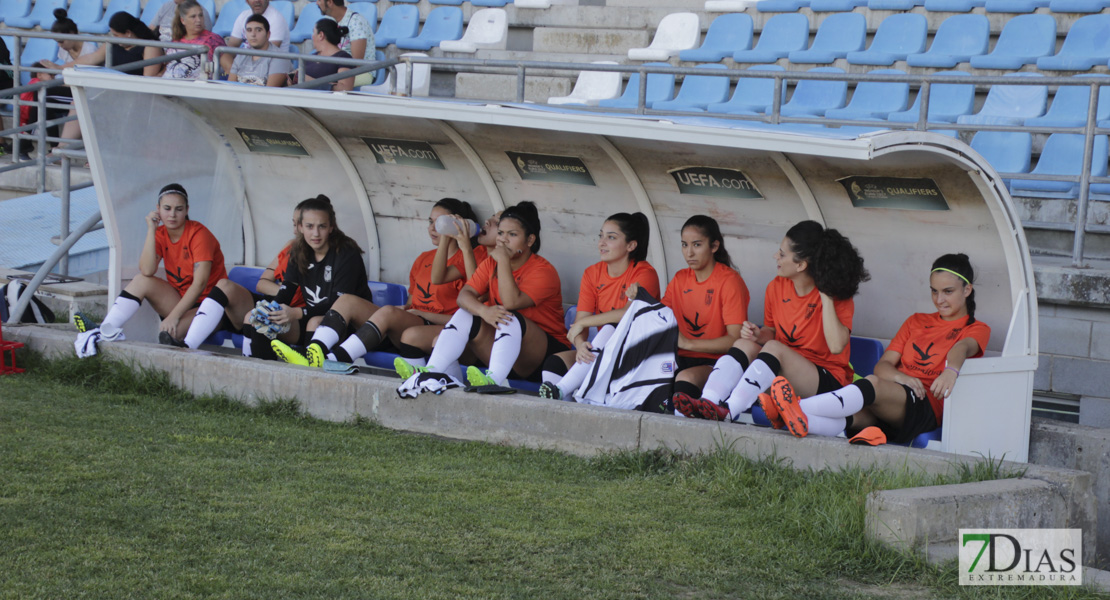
x=959, y=264
x=301, y=253
x=834, y=263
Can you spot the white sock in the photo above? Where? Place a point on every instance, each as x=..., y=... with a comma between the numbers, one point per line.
x=353, y=347
x=577, y=372
x=844, y=402
x=451, y=343
x=505, y=351
x=122, y=309
x=327, y=336
x=756, y=379
x=827, y=426
x=418, y=362
x=205, y=322
x=246, y=341
x=722, y=379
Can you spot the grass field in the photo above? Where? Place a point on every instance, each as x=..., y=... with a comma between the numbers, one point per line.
x=115, y=485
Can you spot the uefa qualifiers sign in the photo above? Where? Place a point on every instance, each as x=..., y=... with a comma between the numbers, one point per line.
x=1021, y=557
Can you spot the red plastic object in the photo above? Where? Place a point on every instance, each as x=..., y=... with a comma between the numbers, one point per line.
x=8, y=348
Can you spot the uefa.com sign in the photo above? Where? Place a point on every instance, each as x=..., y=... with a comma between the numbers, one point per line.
x=1021, y=557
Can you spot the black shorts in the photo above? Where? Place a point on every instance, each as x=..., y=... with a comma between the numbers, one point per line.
x=919, y=419
x=826, y=382
x=689, y=362
x=554, y=346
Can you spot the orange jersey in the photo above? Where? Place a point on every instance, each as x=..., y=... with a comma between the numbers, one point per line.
x=930, y=338
x=600, y=293
x=196, y=244
x=279, y=275
x=704, y=310
x=797, y=323
x=440, y=299
x=538, y=280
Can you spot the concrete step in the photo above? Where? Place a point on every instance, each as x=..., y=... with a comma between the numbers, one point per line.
x=588, y=41
x=22, y=182
x=480, y=86
x=1059, y=210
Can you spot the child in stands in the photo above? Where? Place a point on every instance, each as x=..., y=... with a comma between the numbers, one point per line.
x=807, y=321
x=890, y=405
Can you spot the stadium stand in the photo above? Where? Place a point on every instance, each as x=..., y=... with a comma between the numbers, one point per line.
x=1010, y=104
x=1007, y=151
x=897, y=37
x=1023, y=40
x=306, y=23
x=835, y=5
x=41, y=14
x=697, y=91
x=1069, y=106
x=893, y=4
x=959, y=38
x=488, y=29
x=421, y=78
x=752, y=96
x=101, y=27
x=727, y=34
x=947, y=102
x=15, y=9
x=838, y=35
x=399, y=22
x=1078, y=6
x=592, y=87
x=660, y=87
x=1062, y=155
x=812, y=97
x=874, y=99
x=781, y=35
x=442, y=23
x=781, y=5
x=1014, y=6
x=1086, y=45
x=228, y=13
x=676, y=32
x=958, y=6
x=85, y=13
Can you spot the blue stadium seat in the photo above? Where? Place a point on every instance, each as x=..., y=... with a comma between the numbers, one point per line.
x=958, y=39
x=753, y=95
x=726, y=35
x=398, y=23
x=838, y=35
x=1010, y=104
x=1078, y=6
x=780, y=5
x=897, y=37
x=1023, y=40
x=101, y=27
x=285, y=8
x=874, y=99
x=493, y=3
x=366, y=9
x=442, y=23
x=960, y=6
x=781, y=35
x=85, y=13
x=34, y=50
x=660, y=86
x=947, y=102
x=14, y=9
x=149, y=10
x=835, y=5
x=1014, y=6
x=865, y=353
x=229, y=12
x=813, y=98
x=390, y=294
x=208, y=5
x=406, y=1
x=1087, y=45
x=1062, y=155
x=893, y=4
x=1006, y=151
x=42, y=14
x=697, y=91
x=447, y=2
x=306, y=24
x=1069, y=106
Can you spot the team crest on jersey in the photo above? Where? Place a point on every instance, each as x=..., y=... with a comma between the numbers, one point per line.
x=809, y=310
x=667, y=367
x=709, y=297
x=954, y=333
x=327, y=273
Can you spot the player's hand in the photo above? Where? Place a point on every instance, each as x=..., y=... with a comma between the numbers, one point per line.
x=153, y=220
x=913, y=383
x=632, y=291
x=169, y=325
x=943, y=384
x=573, y=333
x=585, y=353
x=749, y=331
x=501, y=254
x=497, y=316
x=284, y=314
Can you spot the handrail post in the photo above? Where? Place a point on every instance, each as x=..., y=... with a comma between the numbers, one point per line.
x=923, y=116
x=641, y=101
x=17, y=79
x=408, y=78
x=776, y=101
x=40, y=275
x=41, y=149
x=64, y=231
x=520, y=83
x=1085, y=178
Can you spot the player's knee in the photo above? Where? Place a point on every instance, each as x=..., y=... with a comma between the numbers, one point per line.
x=774, y=348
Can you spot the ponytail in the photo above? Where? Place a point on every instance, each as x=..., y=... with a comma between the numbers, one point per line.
x=834, y=263
x=709, y=228
x=528, y=216
x=62, y=23
x=960, y=266
x=333, y=33
x=635, y=229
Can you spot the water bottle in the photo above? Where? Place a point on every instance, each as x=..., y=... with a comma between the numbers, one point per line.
x=445, y=225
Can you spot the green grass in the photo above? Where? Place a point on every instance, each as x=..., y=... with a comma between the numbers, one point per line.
x=117, y=485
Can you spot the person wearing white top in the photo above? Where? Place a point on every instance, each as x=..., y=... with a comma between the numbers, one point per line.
x=279, y=29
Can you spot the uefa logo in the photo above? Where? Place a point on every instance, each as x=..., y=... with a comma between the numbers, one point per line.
x=1021, y=557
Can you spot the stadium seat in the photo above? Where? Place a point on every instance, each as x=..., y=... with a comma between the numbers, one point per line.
x=366, y=9
x=1062, y=155
x=398, y=23
x=897, y=37
x=726, y=35
x=1087, y=45
x=676, y=32
x=1078, y=6
x=660, y=86
x=421, y=78
x=490, y=3
x=865, y=353
x=388, y=294
x=1069, y=106
x=1006, y=151
x=812, y=98
x=101, y=27
x=1014, y=6
x=893, y=4
x=306, y=24
x=947, y=102
x=285, y=8
x=85, y=13
x=446, y=2
x=42, y=14
x=592, y=87
x=34, y=50
x=442, y=23
x=781, y=35
x=229, y=12
x=1010, y=104
x=780, y=5
x=208, y=5
x=959, y=38
x=15, y=9
x=835, y=5
x=697, y=91
x=1023, y=40
x=729, y=5
x=959, y=6
x=838, y=35
x=532, y=3
x=753, y=95
x=406, y=1
x=488, y=28
x=874, y=99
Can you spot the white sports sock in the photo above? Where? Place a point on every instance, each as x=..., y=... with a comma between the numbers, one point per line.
x=418, y=362
x=327, y=336
x=756, y=379
x=577, y=372
x=828, y=426
x=122, y=310
x=844, y=402
x=451, y=343
x=353, y=347
x=722, y=379
x=205, y=322
x=246, y=341
x=505, y=351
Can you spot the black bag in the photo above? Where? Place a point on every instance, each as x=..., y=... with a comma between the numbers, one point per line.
x=36, y=312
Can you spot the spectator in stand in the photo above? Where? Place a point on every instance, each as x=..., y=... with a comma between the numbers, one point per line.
x=189, y=29
x=279, y=28
x=165, y=17
x=359, y=40
x=70, y=53
x=260, y=70
x=325, y=39
x=125, y=25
